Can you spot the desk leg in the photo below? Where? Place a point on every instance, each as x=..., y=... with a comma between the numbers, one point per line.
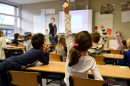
x=128, y=82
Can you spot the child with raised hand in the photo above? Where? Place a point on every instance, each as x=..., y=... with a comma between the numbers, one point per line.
x=97, y=48
x=39, y=52
x=78, y=62
x=121, y=45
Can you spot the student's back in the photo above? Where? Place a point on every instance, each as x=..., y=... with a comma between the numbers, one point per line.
x=27, y=43
x=55, y=40
x=15, y=40
x=78, y=62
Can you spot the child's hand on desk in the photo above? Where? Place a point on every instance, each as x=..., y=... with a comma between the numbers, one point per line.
x=101, y=26
x=66, y=7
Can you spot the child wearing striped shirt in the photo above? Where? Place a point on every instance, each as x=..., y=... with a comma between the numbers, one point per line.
x=97, y=48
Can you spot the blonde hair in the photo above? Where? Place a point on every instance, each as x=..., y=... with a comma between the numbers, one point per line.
x=1, y=33
x=61, y=43
x=56, y=36
x=128, y=43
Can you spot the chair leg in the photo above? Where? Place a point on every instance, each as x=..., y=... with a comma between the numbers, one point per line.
x=47, y=82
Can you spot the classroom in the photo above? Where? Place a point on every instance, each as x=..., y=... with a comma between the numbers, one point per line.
x=64, y=43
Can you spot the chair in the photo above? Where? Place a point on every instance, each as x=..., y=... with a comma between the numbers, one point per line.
x=55, y=57
x=22, y=47
x=115, y=52
x=77, y=81
x=25, y=78
x=99, y=59
x=54, y=45
x=12, y=44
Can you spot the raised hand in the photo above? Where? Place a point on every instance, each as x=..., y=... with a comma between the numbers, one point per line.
x=66, y=7
x=101, y=26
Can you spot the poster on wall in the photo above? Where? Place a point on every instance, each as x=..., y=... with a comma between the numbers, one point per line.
x=125, y=11
x=109, y=31
x=108, y=9
x=50, y=11
x=125, y=6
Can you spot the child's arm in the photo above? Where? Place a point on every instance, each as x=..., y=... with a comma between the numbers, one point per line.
x=96, y=72
x=118, y=38
x=104, y=37
x=4, y=44
x=44, y=58
x=67, y=22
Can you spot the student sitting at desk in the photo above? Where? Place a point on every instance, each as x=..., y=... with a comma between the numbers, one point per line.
x=61, y=47
x=39, y=52
x=97, y=49
x=55, y=40
x=15, y=40
x=27, y=42
x=2, y=46
x=78, y=62
x=120, y=45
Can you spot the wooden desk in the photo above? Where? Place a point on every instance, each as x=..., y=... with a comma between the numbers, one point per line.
x=114, y=56
x=107, y=49
x=105, y=70
x=14, y=48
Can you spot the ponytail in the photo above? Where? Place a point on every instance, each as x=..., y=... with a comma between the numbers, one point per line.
x=74, y=56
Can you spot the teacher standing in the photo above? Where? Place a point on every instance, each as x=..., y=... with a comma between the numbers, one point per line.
x=53, y=29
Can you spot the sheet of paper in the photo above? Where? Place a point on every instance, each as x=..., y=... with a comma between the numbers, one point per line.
x=125, y=16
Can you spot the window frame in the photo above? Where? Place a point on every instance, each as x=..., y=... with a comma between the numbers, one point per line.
x=15, y=16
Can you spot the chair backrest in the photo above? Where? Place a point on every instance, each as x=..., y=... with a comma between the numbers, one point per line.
x=22, y=47
x=99, y=59
x=54, y=45
x=12, y=44
x=77, y=81
x=115, y=52
x=25, y=78
x=55, y=57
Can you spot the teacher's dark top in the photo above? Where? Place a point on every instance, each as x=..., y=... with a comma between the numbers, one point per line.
x=53, y=29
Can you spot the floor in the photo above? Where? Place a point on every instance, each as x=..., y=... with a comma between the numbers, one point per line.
x=51, y=84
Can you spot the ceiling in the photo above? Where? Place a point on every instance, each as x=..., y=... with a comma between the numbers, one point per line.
x=28, y=1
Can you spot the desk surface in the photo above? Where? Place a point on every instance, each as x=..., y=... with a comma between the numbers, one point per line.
x=107, y=49
x=114, y=56
x=14, y=48
x=105, y=70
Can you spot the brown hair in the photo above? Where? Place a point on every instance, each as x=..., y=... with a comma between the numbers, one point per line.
x=85, y=42
x=56, y=36
x=16, y=35
x=95, y=37
x=61, y=42
x=29, y=35
x=53, y=19
x=1, y=33
x=124, y=42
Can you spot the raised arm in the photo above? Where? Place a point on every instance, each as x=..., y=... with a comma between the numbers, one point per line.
x=67, y=21
x=104, y=36
x=118, y=38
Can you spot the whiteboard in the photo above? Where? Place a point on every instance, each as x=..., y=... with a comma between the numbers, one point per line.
x=112, y=43
x=48, y=21
x=105, y=19
x=39, y=23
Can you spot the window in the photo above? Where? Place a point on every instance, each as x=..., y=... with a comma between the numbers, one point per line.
x=9, y=15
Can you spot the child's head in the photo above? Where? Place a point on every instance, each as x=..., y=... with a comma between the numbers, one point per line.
x=29, y=35
x=62, y=40
x=37, y=41
x=56, y=36
x=16, y=36
x=128, y=43
x=1, y=33
x=95, y=37
x=124, y=42
x=83, y=42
